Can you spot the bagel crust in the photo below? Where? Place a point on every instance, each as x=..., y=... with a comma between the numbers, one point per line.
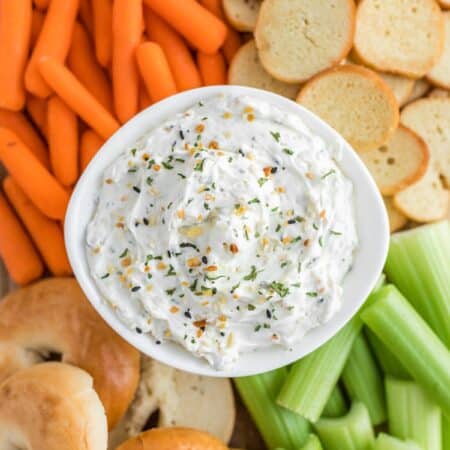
x=173, y=439
x=51, y=406
x=297, y=39
x=53, y=315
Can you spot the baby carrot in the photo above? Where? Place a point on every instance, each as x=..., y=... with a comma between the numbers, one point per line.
x=201, y=28
x=102, y=15
x=233, y=39
x=37, y=20
x=82, y=62
x=37, y=109
x=86, y=16
x=178, y=55
x=16, y=249
x=15, y=31
x=155, y=71
x=62, y=125
x=54, y=41
x=212, y=68
x=46, y=234
x=127, y=31
x=144, y=99
x=38, y=184
x=89, y=146
x=77, y=97
x=17, y=123
x=41, y=4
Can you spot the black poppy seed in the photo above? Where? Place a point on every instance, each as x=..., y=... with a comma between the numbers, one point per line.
x=188, y=314
x=291, y=221
x=181, y=134
x=138, y=330
x=135, y=288
x=136, y=189
x=145, y=220
x=158, y=342
x=204, y=260
x=268, y=314
x=273, y=170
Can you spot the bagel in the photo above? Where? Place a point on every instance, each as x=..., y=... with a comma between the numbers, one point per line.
x=171, y=393
x=173, y=439
x=51, y=406
x=53, y=316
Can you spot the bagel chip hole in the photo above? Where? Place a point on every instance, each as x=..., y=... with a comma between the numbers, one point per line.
x=152, y=421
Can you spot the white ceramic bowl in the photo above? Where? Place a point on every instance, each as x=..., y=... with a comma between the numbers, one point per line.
x=372, y=227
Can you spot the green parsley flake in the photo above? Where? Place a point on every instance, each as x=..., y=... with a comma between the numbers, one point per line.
x=276, y=135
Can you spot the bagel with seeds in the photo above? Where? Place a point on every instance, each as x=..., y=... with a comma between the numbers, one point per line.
x=173, y=439
x=54, y=316
x=51, y=406
x=246, y=70
x=297, y=39
x=404, y=37
x=356, y=102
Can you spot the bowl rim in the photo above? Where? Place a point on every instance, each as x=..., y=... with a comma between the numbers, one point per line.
x=371, y=222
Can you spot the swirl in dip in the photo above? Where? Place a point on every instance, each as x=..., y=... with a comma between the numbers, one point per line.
x=230, y=227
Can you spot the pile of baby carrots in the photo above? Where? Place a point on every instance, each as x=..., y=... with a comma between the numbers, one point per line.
x=74, y=71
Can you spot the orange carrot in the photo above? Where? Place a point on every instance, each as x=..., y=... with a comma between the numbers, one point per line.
x=127, y=31
x=144, y=99
x=82, y=62
x=233, y=39
x=37, y=109
x=62, y=125
x=41, y=4
x=39, y=185
x=178, y=55
x=89, y=146
x=231, y=45
x=201, y=28
x=86, y=16
x=77, y=97
x=17, y=122
x=102, y=14
x=212, y=68
x=46, y=234
x=155, y=71
x=16, y=249
x=37, y=20
x=15, y=31
x=54, y=41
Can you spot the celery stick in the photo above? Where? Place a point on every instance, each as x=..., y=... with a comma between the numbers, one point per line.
x=418, y=264
x=386, y=442
x=312, y=443
x=412, y=414
x=362, y=380
x=336, y=405
x=445, y=432
x=278, y=427
x=351, y=432
x=405, y=333
x=387, y=360
x=312, y=378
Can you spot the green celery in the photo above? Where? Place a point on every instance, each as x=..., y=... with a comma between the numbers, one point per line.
x=362, y=380
x=418, y=264
x=311, y=379
x=387, y=360
x=445, y=432
x=336, y=405
x=351, y=432
x=404, y=332
x=278, y=426
x=312, y=443
x=386, y=442
x=412, y=414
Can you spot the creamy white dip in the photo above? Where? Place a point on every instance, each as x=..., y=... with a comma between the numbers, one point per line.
x=228, y=228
